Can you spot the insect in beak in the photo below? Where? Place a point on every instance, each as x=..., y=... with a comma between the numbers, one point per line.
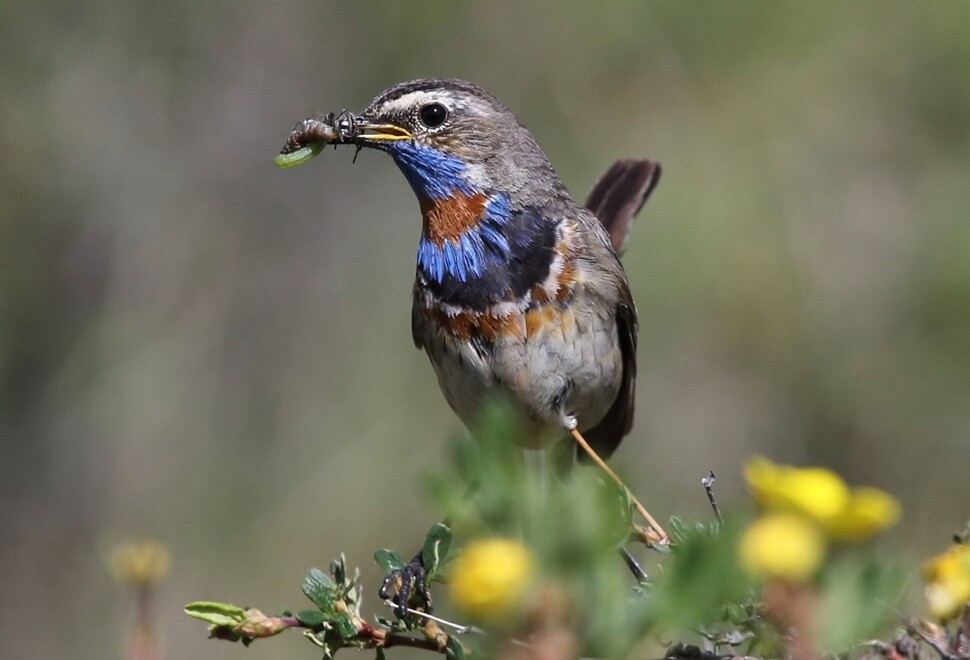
x=310, y=136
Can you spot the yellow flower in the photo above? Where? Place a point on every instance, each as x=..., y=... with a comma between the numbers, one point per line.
x=869, y=510
x=947, y=578
x=139, y=564
x=782, y=545
x=820, y=495
x=815, y=492
x=489, y=578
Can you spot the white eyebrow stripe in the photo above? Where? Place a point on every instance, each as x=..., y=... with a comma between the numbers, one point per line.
x=410, y=100
x=407, y=102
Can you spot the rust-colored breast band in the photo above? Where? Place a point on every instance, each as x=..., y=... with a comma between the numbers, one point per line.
x=447, y=219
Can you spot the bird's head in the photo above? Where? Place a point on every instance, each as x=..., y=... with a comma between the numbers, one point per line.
x=450, y=137
x=480, y=178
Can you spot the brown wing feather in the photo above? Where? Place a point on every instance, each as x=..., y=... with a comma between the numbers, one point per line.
x=615, y=199
x=416, y=321
x=605, y=437
x=620, y=194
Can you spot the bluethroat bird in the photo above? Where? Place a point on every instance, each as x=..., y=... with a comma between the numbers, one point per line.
x=519, y=290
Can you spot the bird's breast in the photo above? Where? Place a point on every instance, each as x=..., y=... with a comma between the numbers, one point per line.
x=448, y=219
x=550, y=358
x=516, y=301
x=476, y=251
x=551, y=347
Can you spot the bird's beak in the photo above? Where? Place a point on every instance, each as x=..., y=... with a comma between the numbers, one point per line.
x=370, y=132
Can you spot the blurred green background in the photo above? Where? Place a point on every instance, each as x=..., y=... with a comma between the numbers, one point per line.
x=200, y=348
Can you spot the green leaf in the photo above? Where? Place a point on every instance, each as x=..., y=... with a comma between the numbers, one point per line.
x=388, y=560
x=736, y=613
x=679, y=530
x=345, y=626
x=859, y=598
x=319, y=588
x=338, y=569
x=218, y=614
x=444, y=571
x=392, y=626
x=311, y=618
x=299, y=156
x=454, y=650
x=699, y=579
x=436, y=545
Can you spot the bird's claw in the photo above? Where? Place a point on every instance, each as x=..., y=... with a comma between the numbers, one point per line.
x=407, y=580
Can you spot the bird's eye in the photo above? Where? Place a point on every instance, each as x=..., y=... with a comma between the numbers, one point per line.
x=433, y=115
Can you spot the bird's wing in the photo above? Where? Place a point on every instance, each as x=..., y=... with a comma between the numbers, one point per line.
x=417, y=319
x=619, y=195
x=605, y=437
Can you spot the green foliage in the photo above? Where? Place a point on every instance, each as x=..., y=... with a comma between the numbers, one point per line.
x=319, y=588
x=454, y=650
x=338, y=597
x=218, y=614
x=856, y=595
x=388, y=560
x=701, y=579
x=572, y=523
x=311, y=618
x=566, y=517
x=435, y=549
x=232, y=623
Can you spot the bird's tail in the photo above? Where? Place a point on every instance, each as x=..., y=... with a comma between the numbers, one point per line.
x=620, y=194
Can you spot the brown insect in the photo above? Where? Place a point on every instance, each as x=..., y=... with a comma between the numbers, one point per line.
x=329, y=129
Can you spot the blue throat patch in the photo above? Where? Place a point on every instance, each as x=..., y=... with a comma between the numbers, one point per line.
x=479, y=248
x=432, y=174
x=436, y=176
